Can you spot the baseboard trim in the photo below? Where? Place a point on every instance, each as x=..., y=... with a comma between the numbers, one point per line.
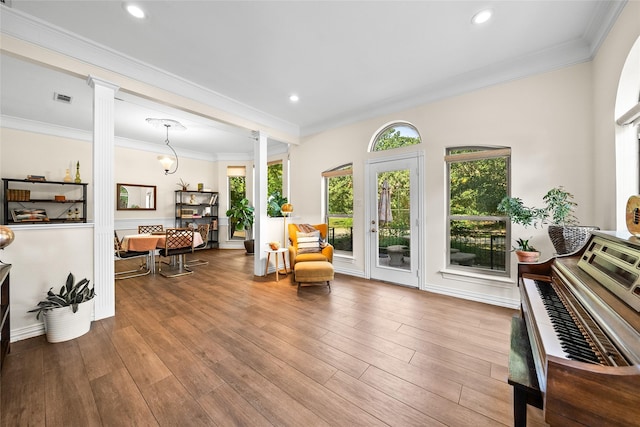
x=26, y=332
x=474, y=296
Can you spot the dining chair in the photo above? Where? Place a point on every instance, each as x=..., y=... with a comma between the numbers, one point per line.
x=178, y=243
x=203, y=230
x=148, y=229
x=121, y=254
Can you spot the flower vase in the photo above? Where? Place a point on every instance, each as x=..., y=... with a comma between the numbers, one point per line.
x=67, y=176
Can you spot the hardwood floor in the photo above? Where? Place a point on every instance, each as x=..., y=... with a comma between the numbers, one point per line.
x=222, y=348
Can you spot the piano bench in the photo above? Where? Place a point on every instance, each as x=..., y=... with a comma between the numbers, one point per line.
x=522, y=373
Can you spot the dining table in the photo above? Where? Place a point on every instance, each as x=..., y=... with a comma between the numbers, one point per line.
x=151, y=242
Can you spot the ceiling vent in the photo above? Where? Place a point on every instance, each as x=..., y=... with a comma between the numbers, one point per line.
x=60, y=97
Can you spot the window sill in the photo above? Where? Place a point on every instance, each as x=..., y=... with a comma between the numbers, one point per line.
x=471, y=276
x=344, y=258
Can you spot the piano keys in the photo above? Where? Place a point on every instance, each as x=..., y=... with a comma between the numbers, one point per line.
x=582, y=317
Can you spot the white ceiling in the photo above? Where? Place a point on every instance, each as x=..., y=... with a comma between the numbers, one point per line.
x=346, y=60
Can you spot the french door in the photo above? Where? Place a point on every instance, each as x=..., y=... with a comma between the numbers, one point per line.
x=392, y=225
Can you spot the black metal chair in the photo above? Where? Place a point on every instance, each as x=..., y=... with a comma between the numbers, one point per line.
x=178, y=243
x=121, y=254
x=203, y=230
x=149, y=229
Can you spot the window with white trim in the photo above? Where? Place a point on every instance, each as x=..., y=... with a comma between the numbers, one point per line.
x=237, y=185
x=339, y=208
x=477, y=232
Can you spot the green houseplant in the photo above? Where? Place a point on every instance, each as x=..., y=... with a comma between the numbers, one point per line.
x=558, y=214
x=525, y=252
x=558, y=210
x=241, y=216
x=67, y=314
x=274, y=204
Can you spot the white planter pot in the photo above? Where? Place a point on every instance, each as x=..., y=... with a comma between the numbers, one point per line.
x=62, y=324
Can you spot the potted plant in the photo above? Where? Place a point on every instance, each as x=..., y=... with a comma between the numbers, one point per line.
x=67, y=314
x=525, y=252
x=241, y=216
x=274, y=204
x=558, y=213
x=565, y=233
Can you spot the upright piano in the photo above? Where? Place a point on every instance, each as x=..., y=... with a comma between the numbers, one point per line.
x=582, y=317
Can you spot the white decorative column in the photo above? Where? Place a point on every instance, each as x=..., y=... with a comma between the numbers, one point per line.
x=260, y=198
x=103, y=195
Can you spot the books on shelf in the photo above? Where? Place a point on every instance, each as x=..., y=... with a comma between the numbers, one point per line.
x=214, y=199
x=187, y=213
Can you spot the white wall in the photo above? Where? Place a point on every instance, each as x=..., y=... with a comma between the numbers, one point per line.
x=607, y=71
x=142, y=167
x=538, y=117
x=26, y=153
x=546, y=119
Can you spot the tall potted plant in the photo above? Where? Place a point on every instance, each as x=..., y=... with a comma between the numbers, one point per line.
x=558, y=214
x=565, y=233
x=67, y=314
x=241, y=216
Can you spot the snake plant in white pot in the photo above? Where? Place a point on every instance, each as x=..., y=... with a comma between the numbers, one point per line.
x=67, y=314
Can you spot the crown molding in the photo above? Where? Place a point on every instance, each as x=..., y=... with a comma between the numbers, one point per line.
x=33, y=30
x=571, y=53
x=33, y=126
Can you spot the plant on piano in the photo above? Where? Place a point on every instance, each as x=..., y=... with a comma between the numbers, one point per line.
x=515, y=209
x=559, y=209
x=525, y=251
x=523, y=245
x=558, y=214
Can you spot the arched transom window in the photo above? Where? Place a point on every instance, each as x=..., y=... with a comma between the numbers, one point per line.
x=395, y=135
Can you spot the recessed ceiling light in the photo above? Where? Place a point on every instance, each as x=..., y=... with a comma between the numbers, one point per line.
x=135, y=11
x=482, y=16
x=294, y=98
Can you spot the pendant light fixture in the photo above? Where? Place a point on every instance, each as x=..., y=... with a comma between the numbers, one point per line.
x=166, y=160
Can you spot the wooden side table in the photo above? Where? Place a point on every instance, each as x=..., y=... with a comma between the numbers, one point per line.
x=284, y=262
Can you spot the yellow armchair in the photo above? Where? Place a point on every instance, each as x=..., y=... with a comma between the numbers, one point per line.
x=326, y=253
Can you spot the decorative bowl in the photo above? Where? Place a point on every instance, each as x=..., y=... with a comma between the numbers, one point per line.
x=274, y=245
x=6, y=236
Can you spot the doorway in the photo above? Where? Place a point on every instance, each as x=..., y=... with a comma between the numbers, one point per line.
x=394, y=198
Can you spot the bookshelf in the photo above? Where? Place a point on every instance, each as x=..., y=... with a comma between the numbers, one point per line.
x=43, y=202
x=198, y=207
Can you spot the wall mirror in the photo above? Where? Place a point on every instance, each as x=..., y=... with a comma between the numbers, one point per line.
x=136, y=197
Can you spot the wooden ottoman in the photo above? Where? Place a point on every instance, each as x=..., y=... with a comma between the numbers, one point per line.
x=313, y=271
